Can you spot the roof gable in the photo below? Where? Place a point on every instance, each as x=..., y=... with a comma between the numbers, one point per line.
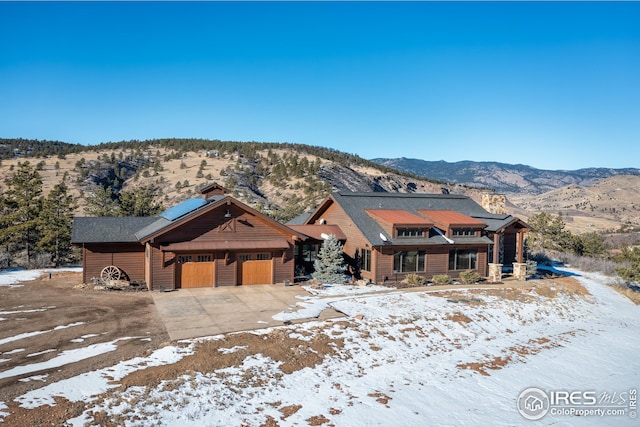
x=164, y=225
x=213, y=189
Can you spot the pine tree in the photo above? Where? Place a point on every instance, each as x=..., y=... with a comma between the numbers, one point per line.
x=56, y=220
x=139, y=202
x=101, y=203
x=329, y=265
x=21, y=204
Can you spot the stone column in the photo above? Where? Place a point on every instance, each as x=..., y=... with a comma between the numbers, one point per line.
x=495, y=272
x=520, y=270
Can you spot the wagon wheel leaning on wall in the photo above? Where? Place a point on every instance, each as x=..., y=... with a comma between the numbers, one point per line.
x=110, y=272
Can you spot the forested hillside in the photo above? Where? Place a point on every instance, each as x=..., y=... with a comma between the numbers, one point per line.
x=142, y=178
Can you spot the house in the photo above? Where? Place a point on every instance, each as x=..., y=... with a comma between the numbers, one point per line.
x=389, y=235
x=214, y=240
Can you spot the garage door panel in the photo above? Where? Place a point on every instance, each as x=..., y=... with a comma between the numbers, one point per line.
x=256, y=272
x=196, y=274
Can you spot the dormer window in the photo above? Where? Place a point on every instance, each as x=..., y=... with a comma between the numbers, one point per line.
x=410, y=232
x=464, y=232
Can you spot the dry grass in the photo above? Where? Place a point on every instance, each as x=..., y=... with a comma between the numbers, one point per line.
x=561, y=286
x=294, y=354
x=533, y=346
x=287, y=411
x=317, y=420
x=627, y=292
x=380, y=398
x=458, y=318
x=495, y=363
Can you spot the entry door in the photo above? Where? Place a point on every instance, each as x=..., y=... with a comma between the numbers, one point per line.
x=196, y=271
x=255, y=269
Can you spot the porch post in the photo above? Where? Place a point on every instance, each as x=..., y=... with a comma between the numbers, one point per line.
x=520, y=245
x=496, y=248
x=495, y=268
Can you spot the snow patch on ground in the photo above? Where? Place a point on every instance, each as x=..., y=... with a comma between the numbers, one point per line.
x=87, y=385
x=34, y=333
x=339, y=289
x=11, y=276
x=84, y=337
x=418, y=358
x=42, y=378
x=2, y=413
x=64, y=358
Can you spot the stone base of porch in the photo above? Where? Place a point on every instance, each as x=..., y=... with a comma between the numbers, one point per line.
x=495, y=273
x=520, y=271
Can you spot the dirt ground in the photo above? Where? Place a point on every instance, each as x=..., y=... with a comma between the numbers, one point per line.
x=106, y=316
x=112, y=315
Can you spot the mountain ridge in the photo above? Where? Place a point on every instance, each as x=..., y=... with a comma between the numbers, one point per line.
x=502, y=177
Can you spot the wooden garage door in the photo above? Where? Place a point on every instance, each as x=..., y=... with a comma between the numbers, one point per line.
x=195, y=274
x=255, y=271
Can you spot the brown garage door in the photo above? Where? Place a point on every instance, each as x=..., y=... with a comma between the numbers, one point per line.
x=255, y=272
x=193, y=274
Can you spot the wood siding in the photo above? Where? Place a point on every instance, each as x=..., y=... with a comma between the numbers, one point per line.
x=128, y=257
x=335, y=215
x=283, y=265
x=213, y=226
x=226, y=269
x=437, y=261
x=162, y=269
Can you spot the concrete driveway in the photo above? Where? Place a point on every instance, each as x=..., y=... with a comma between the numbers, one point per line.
x=197, y=312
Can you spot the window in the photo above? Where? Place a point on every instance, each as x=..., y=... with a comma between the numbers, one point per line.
x=365, y=259
x=409, y=261
x=410, y=232
x=307, y=253
x=244, y=257
x=463, y=259
x=203, y=258
x=263, y=257
x=464, y=232
x=184, y=258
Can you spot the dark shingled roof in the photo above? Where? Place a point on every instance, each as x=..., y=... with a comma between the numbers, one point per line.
x=108, y=229
x=355, y=205
x=300, y=219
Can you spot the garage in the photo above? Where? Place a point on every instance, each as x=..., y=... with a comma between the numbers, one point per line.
x=255, y=269
x=197, y=243
x=195, y=271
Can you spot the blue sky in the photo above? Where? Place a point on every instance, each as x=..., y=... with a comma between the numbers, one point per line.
x=551, y=85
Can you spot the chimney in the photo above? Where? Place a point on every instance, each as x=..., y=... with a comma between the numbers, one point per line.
x=494, y=203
